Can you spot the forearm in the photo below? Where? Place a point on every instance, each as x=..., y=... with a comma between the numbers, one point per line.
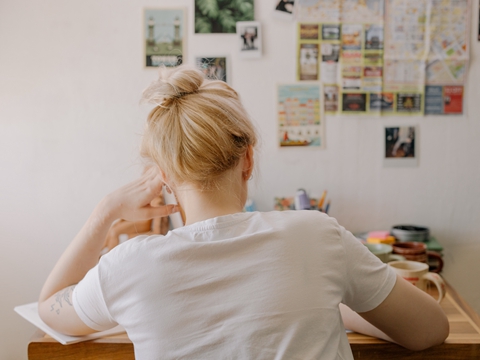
x=82, y=254
x=354, y=322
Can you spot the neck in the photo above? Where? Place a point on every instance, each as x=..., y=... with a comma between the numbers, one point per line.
x=199, y=205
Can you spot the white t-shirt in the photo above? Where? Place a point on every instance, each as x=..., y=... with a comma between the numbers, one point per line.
x=243, y=286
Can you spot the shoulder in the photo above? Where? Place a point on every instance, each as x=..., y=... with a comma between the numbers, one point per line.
x=304, y=221
x=132, y=249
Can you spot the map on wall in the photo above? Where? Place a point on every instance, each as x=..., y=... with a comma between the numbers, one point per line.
x=403, y=57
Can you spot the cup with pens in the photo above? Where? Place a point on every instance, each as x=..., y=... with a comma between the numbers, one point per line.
x=303, y=202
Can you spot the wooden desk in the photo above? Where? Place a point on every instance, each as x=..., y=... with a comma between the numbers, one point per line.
x=462, y=343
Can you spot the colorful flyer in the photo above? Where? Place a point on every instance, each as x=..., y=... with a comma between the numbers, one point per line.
x=354, y=102
x=384, y=55
x=309, y=62
x=299, y=116
x=443, y=100
x=165, y=33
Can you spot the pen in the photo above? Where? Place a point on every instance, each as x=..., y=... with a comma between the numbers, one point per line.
x=327, y=206
x=322, y=199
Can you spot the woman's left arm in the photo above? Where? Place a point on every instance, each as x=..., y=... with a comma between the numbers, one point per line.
x=131, y=202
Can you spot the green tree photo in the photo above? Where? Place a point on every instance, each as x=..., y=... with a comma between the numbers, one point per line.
x=221, y=16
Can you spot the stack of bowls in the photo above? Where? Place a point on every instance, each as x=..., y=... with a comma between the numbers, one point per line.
x=410, y=233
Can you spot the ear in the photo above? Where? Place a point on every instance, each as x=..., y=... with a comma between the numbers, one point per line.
x=248, y=163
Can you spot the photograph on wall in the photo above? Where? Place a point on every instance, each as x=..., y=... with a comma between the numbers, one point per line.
x=329, y=65
x=300, y=116
x=249, y=34
x=284, y=9
x=409, y=103
x=373, y=37
x=214, y=68
x=351, y=37
x=220, y=16
x=381, y=102
x=308, y=61
x=164, y=37
x=400, y=143
x=330, y=98
x=331, y=32
x=308, y=31
x=354, y=103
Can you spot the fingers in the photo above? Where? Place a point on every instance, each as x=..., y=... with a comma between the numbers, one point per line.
x=150, y=212
x=157, y=201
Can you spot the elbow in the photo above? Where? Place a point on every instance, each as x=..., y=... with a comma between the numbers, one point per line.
x=434, y=336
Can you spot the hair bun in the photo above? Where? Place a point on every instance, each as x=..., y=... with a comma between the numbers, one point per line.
x=173, y=83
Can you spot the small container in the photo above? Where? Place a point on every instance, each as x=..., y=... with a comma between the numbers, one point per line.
x=410, y=233
x=302, y=202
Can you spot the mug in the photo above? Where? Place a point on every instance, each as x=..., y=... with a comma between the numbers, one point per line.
x=384, y=252
x=417, y=251
x=417, y=274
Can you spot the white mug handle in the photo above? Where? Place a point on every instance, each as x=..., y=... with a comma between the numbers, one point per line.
x=439, y=283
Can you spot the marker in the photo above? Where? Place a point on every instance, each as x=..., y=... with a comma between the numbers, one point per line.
x=322, y=199
x=327, y=206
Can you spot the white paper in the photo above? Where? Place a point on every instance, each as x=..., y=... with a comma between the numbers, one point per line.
x=30, y=313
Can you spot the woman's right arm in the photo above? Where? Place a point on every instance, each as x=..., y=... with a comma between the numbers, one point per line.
x=407, y=316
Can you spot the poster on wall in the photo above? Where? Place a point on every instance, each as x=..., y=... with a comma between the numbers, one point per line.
x=388, y=57
x=220, y=16
x=249, y=34
x=164, y=40
x=300, y=116
x=400, y=146
x=214, y=68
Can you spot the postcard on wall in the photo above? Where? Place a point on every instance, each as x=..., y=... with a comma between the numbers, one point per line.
x=284, y=9
x=400, y=146
x=220, y=16
x=214, y=68
x=300, y=116
x=308, y=62
x=249, y=34
x=165, y=37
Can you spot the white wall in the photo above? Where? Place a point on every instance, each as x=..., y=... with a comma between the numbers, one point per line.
x=71, y=73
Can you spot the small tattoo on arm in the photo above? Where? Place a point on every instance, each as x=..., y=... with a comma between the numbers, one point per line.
x=62, y=297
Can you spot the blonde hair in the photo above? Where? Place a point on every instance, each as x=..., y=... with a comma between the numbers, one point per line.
x=198, y=130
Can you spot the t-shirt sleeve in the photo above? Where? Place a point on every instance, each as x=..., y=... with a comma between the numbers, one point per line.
x=369, y=280
x=89, y=303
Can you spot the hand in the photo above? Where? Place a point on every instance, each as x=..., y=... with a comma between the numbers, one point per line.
x=136, y=201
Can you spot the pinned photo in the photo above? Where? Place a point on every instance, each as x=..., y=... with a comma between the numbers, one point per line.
x=284, y=9
x=400, y=146
x=164, y=37
x=249, y=35
x=214, y=68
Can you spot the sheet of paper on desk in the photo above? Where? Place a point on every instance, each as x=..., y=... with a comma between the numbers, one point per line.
x=30, y=313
